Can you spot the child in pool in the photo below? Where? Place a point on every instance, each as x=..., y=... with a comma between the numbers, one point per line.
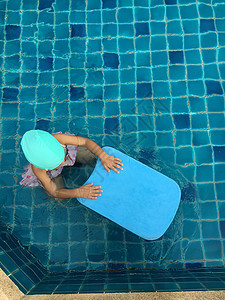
x=49, y=153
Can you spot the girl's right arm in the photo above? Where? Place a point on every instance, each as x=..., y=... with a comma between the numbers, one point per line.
x=86, y=191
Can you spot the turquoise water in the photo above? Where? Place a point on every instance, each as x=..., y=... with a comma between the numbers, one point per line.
x=145, y=77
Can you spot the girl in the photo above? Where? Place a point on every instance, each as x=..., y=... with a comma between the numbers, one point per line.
x=49, y=153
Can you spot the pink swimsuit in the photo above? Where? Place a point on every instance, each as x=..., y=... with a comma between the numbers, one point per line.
x=29, y=179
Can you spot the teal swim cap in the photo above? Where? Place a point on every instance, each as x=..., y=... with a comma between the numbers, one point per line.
x=42, y=149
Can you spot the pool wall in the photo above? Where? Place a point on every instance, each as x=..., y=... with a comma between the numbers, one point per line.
x=32, y=278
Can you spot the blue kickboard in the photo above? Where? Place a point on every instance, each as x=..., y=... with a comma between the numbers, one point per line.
x=139, y=198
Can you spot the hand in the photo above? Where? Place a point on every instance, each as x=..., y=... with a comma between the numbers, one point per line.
x=111, y=162
x=88, y=191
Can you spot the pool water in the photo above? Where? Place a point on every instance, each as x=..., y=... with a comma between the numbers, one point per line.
x=146, y=77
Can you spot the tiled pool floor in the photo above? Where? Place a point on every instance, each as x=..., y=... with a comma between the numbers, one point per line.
x=146, y=77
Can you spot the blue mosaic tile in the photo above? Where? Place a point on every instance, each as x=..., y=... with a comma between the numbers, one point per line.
x=111, y=93
x=142, y=287
x=175, y=43
x=199, y=121
x=200, y=138
x=176, y=57
x=29, y=79
x=128, y=107
x=78, y=233
x=162, y=105
x=181, y=121
x=193, y=57
x=179, y=88
x=164, y=123
x=164, y=139
x=207, y=25
x=12, y=62
x=9, y=128
x=211, y=72
x=208, y=40
x=192, y=286
x=197, y=104
x=177, y=72
x=196, y=88
x=97, y=126
x=184, y=155
x=201, y=175
x=213, y=87
x=111, y=60
x=203, y=155
x=191, y=229
x=222, y=39
x=174, y=27
x=158, y=43
x=195, y=72
x=59, y=233
x=213, y=248
x=9, y=110
x=12, y=79
x=12, y=32
x=127, y=76
x=219, y=172
x=29, y=63
x=78, y=30
x=210, y=230
x=222, y=70
x=110, y=45
x=129, y=124
x=206, y=191
x=161, y=89
x=94, y=46
x=157, y=28
x=221, y=54
x=215, y=103
x=217, y=136
x=116, y=251
x=205, y=11
x=189, y=12
x=222, y=226
x=163, y=287
x=179, y=105
x=194, y=265
x=12, y=47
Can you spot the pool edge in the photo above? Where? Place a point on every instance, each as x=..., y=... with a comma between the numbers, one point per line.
x=9, y=291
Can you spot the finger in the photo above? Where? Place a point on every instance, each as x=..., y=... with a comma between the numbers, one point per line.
x=115, y=165
x=96, y=187
x=107, y=169
x=119, y=162
x=114, y=169
x=96, y=191
x=119, y=167
x=88, y=184
x=97, y=195
x=118, y=159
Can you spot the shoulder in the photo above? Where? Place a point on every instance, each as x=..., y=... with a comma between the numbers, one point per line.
x=41, y=174
x=38, y=170
x=65, y=139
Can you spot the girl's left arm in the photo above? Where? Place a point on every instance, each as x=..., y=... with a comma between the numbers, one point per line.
x=108, y=161
x=80, y=141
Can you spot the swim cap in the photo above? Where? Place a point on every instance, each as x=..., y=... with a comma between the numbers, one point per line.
x=42, y=149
